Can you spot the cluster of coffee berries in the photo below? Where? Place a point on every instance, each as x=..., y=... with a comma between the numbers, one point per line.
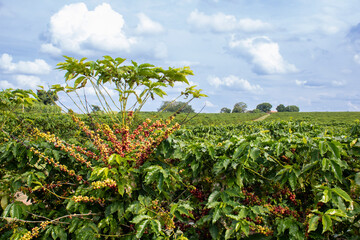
x=106, y=183
x=55, y=163
x=282, y=212
x=31, y=234
x=88, y=199
x=198, y=194
x=250, y=198
x=262, y=230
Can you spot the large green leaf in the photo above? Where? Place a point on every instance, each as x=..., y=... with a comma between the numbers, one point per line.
x=313, y=223
x=327, y=223
x=342, y=194
x=140, y=228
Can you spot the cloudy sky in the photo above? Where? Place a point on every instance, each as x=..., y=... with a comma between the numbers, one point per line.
x=299, y=52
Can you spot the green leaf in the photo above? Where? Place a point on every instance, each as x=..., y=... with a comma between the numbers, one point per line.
x=327, y=223
x=140, y=228
x=156, y=226
x=4, y=202
x=140, y=218
x=239, y=150
x=335, y=167
x=255, y=153
x=322, y=147
x=292, y=180
x=228, y=233
x=326, y=196
x=342, y=194
x=313, y=223
x=357, y=178
x=160, y=182
x=336, y=212
x=334, y=149
x=213, y=196
x=214, y=231
x=216, y=215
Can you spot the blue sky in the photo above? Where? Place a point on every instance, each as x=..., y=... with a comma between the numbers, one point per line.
x=301, y=52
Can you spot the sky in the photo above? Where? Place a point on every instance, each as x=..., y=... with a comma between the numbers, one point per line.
x=300, y=52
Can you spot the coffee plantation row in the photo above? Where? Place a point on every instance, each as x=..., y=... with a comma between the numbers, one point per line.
x=264, y=180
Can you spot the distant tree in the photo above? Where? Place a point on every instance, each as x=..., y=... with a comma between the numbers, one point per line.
x=239, y=107
x=264, y=107
x=292, y=108
x=180, y=107
x=47, y=97
x=225, y=110
x=280, y=108
x=95, y=108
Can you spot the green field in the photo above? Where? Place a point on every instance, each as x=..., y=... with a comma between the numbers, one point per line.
x=326, y=118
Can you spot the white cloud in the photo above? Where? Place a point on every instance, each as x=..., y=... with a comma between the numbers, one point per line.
x=38, y=66
x=51, y=49
x=338, y=83
x=79, y=30
x=209, y=104
x=357, y=58
x=300, y=82
x=26, y=81
x=220, y=22
x=234, y=83
x=263, y=54
x=5, y=84
x=148, y=26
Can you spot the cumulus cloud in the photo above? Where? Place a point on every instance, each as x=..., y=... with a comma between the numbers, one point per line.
x=38, y=66
x=357, y=58
x=50, y=49
x=221, y=22
x=148, y=26
x=5, y=84
x=338, y=83
x=263, y=54
x=209, y=104
x=235, y=83
x=300, y=82
x=27, y=81
x=79, y=30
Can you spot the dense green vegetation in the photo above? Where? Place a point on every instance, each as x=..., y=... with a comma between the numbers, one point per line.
x=131, y=176
x=325, y=118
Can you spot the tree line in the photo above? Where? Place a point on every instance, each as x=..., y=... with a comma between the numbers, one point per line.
x=241, y=107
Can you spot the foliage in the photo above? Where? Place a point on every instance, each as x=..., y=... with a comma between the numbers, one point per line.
x=95, y=108
x=47, y=97
x=341, y=119
x=135, y=84
x=292, y=108
x=259, y=180
x=239, y=107
x=280, y=108
x=255, y=111
x=271, y=180
x=225, y=110
x=264, y=107
x=38, y=108
x=12, y=100
x=174, y=106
